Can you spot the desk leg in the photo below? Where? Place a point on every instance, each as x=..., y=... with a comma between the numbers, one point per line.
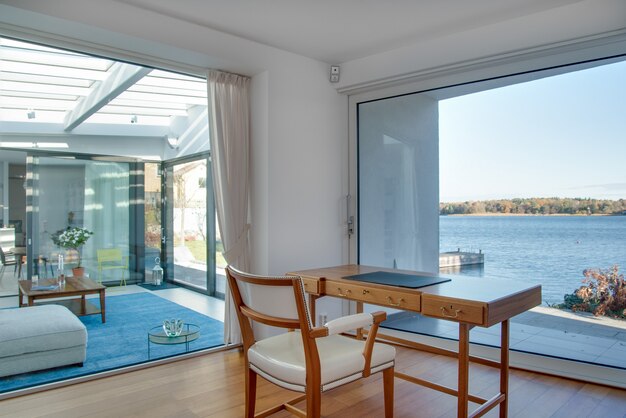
x=312, y=300
x=504, y=368
x=359, y=332
x=463, y=387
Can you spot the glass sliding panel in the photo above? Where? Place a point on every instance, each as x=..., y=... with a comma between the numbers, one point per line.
x=189, y=223
x=80, y=193
x=398, y=187
x=530, y=169
x=152, y=213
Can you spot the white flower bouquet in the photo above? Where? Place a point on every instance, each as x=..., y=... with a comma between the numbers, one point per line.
x=74, y=238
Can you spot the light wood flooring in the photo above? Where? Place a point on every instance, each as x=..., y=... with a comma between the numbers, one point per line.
x=212, y=386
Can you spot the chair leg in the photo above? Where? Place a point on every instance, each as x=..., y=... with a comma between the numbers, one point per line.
x=388, y=375
x=250, y=392
x=313, y=401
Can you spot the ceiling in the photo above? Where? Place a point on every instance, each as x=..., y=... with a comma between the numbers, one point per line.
x=336, y=31
x=53, y=92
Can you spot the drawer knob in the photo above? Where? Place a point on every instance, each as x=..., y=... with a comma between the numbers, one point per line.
x=447, y=315
x=345, y=295
x=365, y=291
x=390, y=301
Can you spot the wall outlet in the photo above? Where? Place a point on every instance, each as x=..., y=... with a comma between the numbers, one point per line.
x=322, y=319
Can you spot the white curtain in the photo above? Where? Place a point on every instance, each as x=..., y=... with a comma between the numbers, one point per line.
x=230, y=137
x=106, y=211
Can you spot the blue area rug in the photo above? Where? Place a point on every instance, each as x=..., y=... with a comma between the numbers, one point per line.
x=123, y=339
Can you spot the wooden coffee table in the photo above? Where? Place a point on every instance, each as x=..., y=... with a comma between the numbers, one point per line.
x=74, y=286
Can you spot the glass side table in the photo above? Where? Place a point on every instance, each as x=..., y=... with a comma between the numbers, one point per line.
x=156, y=335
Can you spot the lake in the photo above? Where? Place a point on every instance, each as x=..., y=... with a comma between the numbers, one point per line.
x=549, y=250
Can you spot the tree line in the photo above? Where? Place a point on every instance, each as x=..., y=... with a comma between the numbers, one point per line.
x=536, y=206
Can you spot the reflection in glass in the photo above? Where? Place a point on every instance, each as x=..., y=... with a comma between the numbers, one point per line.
x=81, y=193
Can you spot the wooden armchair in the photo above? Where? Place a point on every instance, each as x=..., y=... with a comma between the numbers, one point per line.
x=112, y=259
x=310, y=359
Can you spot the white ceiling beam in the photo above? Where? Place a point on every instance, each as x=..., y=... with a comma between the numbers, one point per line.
x=121, y=77
x=12, y=130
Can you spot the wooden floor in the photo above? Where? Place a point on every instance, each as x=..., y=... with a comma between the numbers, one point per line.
x=212, y=386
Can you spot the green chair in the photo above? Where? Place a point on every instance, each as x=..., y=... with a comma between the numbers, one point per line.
x=112, y=259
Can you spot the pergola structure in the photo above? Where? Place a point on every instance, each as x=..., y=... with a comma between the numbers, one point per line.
x=48, y=96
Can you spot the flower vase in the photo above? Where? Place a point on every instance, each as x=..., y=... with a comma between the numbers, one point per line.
x=78, y=271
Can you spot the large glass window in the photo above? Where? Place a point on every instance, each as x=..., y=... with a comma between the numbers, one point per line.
x=398, y=183
x=80, y=193
x=190, y=222
x=516, y=178
x=121, y=150
x=152, y=217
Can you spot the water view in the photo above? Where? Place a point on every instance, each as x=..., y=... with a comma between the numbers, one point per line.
x=549, y=250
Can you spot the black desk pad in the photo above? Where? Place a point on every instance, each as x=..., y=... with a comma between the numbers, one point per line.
x=412, y=281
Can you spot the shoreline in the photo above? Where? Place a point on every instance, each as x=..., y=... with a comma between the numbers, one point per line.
x=530, y=214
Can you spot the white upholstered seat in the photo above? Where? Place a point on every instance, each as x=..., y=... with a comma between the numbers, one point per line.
x=280, y=360
x=310, y=359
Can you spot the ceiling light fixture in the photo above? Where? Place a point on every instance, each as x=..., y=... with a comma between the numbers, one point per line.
x=172, y=141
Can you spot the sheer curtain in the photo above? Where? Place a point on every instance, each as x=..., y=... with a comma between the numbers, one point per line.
x=106, y=210
x=230, y=137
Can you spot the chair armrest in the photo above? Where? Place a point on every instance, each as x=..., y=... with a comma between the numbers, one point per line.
x=348, y=323
x=377, y=317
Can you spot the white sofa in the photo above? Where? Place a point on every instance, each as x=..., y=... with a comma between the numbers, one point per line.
x=40, y=337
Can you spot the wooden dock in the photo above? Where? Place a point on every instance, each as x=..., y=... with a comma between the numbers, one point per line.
x=460, y=258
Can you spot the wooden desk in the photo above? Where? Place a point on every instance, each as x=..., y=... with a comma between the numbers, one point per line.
x=470, y=301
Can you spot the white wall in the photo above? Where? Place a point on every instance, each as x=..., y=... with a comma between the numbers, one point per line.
x=298, y=129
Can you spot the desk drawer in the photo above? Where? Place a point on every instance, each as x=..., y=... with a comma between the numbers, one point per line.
x=393, y=299
x=311, y=286
x=452, y=310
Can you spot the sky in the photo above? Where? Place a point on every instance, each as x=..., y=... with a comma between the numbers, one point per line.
x=562, y=136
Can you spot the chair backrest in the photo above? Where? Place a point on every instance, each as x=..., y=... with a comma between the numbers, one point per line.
x=275, y=301
x=109, y=254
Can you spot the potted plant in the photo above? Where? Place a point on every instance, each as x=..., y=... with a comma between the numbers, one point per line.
x=74, y=238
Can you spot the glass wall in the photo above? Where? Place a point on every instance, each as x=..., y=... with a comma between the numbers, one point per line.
x=153, y=233
x=528, y=168
x=89, y=194
x=191, y=225
x=398, y=192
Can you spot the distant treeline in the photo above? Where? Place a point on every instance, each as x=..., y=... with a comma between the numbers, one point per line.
x=537, y=206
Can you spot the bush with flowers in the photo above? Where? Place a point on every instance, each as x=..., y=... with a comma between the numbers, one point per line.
x=74, y=238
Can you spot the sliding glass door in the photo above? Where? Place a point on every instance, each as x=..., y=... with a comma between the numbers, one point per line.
x=66, y=192
x=398, y=183
x=190, y=224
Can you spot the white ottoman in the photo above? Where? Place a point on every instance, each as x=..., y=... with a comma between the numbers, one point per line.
x=40, y=337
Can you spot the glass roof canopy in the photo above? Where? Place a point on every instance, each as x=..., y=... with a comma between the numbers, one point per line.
x=64, y=90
